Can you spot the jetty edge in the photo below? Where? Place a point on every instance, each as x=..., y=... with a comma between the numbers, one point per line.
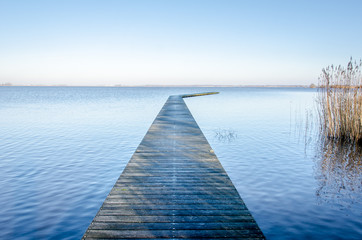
x=198, y=94
x=174, y=187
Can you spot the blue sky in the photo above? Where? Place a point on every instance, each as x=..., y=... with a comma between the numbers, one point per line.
x=222, y=42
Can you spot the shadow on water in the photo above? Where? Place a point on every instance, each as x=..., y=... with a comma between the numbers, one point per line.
x=338, y=171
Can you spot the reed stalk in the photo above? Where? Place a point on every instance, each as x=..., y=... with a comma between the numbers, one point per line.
x=340, y=102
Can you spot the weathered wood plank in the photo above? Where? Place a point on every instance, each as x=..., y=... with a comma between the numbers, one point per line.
x=173, y=219
x=156, y=201
x=183, y=238
x=164, y=191
x=173, y=212
x=173, y=234
x=173, y=187
x=120, y=206
x=172, y=226
x=205, y=197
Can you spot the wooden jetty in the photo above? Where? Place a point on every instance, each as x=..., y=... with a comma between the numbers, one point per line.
x=174, y=187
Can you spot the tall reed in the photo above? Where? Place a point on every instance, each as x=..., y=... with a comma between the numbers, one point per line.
x=340, y=102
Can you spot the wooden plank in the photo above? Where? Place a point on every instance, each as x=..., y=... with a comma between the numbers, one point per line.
x=209, y=234
x=156, y=201
x=173, y=212
x=244, y=233
x=183, y=238
x=174, y=238
x=173, y=187
x=190, y=192
x=117, y=206
x=172, y=219
x=172, y=226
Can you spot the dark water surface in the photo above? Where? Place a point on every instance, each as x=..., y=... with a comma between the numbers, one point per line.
x=63, y=148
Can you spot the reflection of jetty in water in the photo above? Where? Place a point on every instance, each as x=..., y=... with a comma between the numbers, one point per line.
x=338, y=170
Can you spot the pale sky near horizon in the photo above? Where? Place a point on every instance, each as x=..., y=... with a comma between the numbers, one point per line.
x=134, y=42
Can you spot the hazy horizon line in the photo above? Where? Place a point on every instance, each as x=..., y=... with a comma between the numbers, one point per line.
x=159, y=85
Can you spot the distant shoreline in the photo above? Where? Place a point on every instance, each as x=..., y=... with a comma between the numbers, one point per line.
x=179, y=86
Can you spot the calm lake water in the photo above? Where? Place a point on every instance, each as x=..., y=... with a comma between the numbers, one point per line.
x=63, y=148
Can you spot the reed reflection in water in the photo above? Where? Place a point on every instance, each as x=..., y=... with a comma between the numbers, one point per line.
x=338, y=171
x=337, y=163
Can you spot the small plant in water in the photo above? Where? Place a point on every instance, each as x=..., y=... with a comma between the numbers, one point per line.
x=340, y=102
x=225, y=135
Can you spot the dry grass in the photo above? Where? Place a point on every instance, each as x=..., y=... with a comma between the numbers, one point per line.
x=340, y=102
